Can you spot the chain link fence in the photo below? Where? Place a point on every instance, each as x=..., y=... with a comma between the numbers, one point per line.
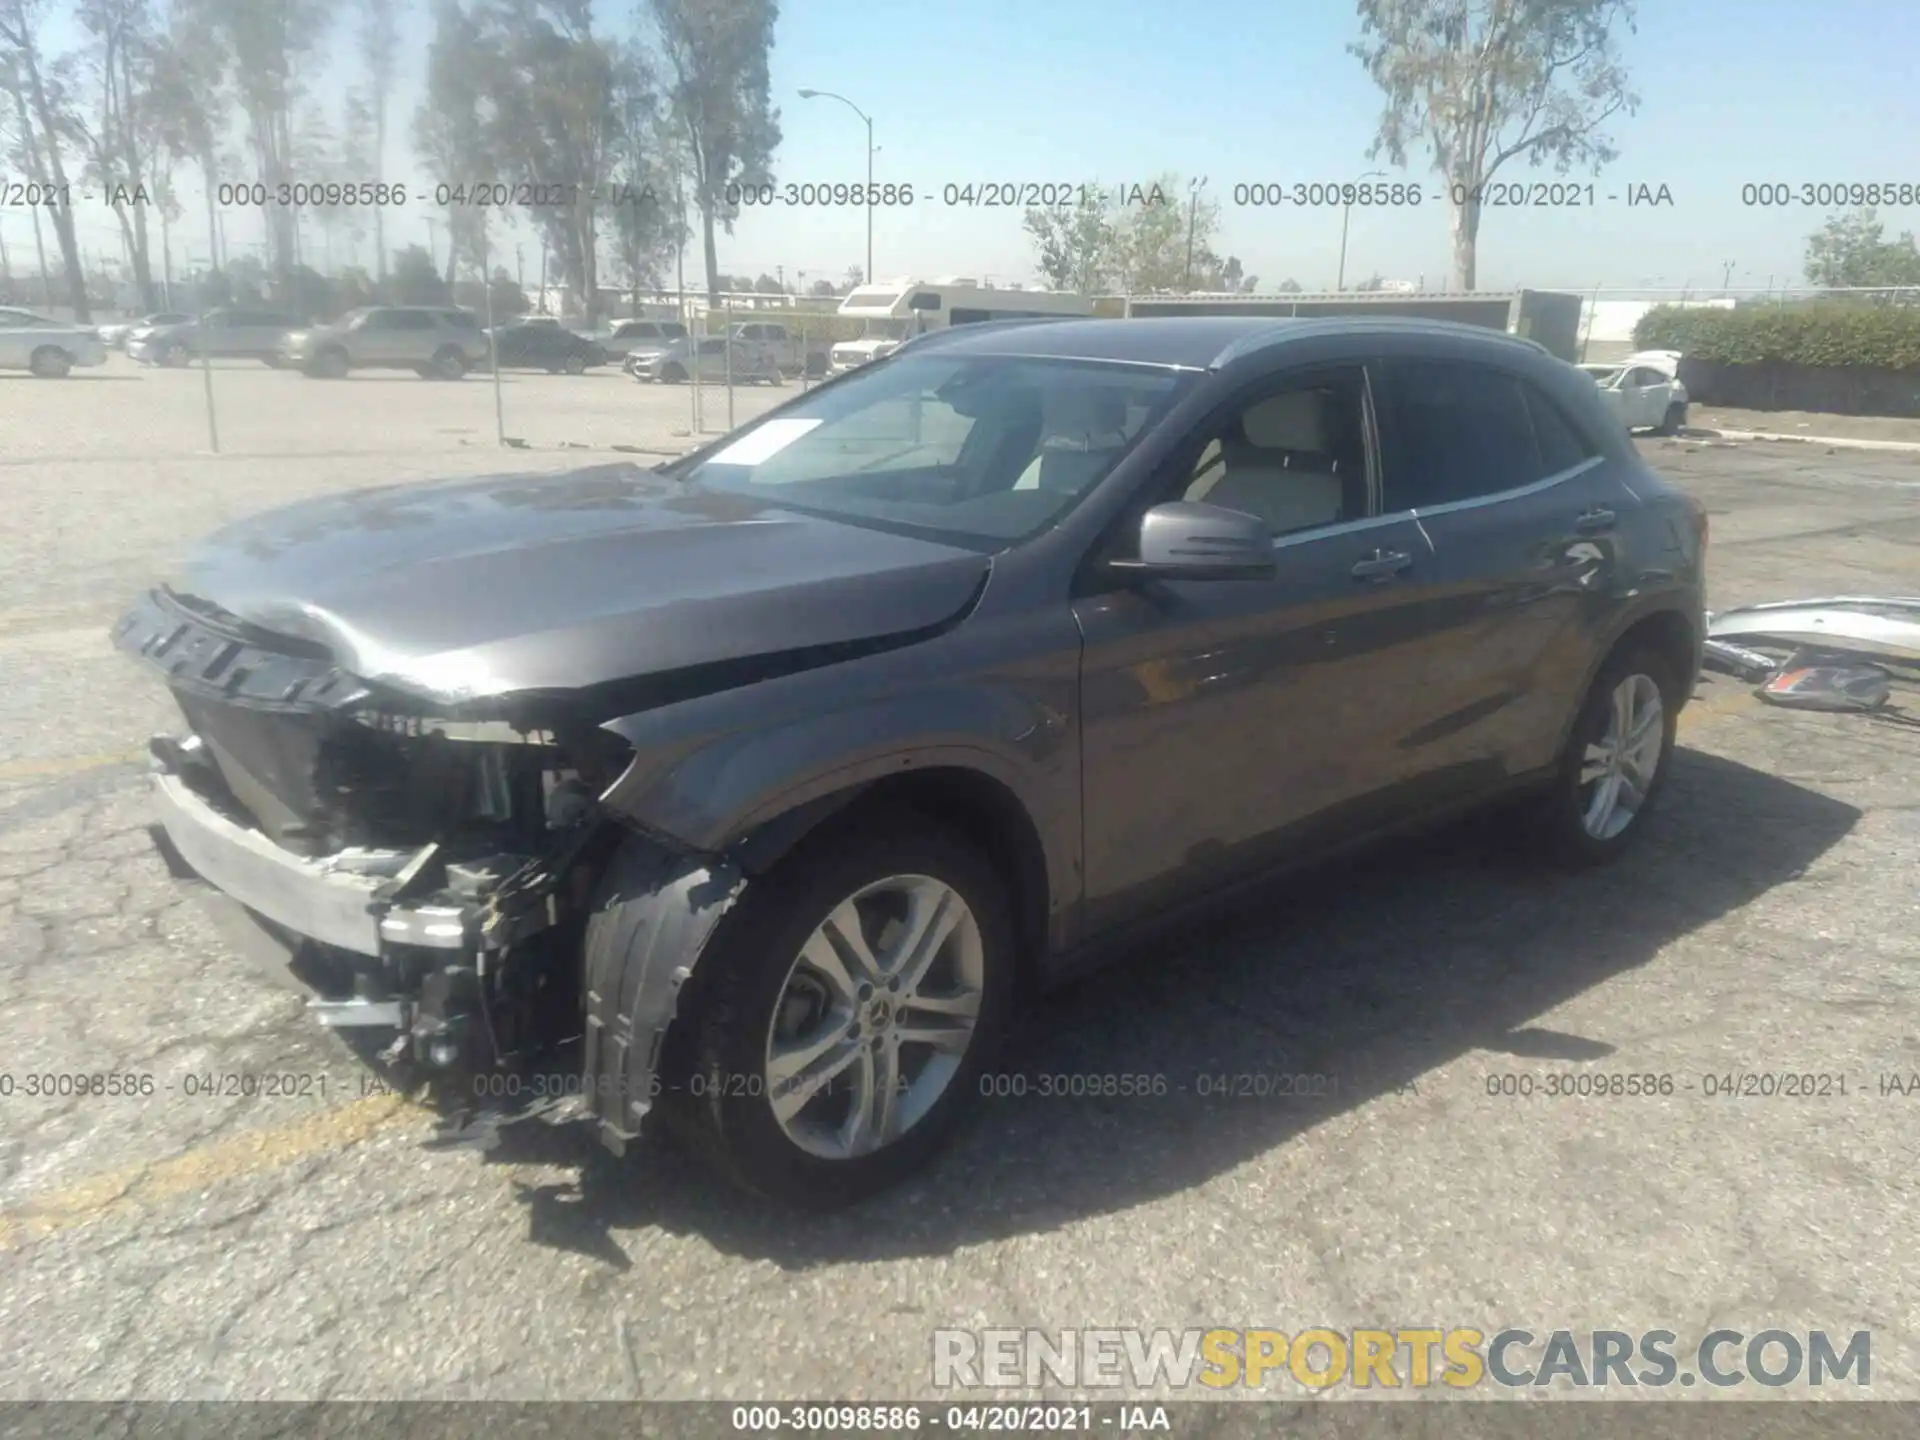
x=733, y=358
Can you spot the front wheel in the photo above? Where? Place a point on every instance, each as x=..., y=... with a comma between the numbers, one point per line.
x=449, y=364
x=50, y=362
x=1616, y=761
x=574, y=365
x=847, y=1011
x=174, y=356
x=1674, y=421
x=674, y=375
x=329, y=364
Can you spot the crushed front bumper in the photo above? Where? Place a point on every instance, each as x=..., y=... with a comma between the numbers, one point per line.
x=336, y=900
x=346, y=904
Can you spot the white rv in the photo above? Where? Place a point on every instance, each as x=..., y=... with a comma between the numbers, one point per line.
x=891, y=311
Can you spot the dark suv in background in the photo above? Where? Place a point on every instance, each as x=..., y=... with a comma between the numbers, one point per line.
x=784, y=775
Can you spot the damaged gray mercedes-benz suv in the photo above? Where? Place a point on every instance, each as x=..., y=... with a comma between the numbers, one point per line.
x=779, y=777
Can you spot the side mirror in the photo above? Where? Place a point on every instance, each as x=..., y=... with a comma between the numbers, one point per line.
x=1185, y=540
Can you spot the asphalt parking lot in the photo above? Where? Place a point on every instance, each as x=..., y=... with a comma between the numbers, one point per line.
x=195, y=1243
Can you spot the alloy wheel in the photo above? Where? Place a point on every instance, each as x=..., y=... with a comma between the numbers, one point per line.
x=875, y=1016
x=1618, y=767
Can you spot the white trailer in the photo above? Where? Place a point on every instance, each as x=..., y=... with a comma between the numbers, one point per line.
x=891, y=311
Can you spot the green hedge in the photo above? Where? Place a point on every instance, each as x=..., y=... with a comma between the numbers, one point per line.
x=1824, y=335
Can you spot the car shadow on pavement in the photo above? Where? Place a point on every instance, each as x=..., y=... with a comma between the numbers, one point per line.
x=1367, y=975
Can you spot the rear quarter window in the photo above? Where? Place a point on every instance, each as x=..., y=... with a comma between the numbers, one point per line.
x=1562, y=443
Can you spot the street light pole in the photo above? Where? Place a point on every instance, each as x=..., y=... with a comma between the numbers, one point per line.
x=830, y=95
x=1346, y=213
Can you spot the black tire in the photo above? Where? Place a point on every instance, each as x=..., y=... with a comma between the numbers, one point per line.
x=449, y=364
x=1558, y=813
x=573, y=365
x=330, y=364
x=729, y=1011
x=674, y=374
x=1674, y=421
x=173, y=355
x=50, y=362
x=815, y=367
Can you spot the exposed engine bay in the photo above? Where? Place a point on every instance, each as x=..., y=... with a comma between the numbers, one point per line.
x=427, y=875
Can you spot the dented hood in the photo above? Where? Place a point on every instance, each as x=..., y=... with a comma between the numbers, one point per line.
x=471, y=589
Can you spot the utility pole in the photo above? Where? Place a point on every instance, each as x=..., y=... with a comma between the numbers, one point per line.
x=520, y=266
x=543, y=275
x=1726, y=279
x=6, y=269
x=433, y=243
x=1193, y=220
x=1346, y=214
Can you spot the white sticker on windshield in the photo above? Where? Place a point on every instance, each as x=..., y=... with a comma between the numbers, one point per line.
x=763, y=444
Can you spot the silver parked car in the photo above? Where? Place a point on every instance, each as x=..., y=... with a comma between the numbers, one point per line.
x=49, y=348
x=114, y=335
x=713, y=359
x=227, y=333
x=783, y=777
x=631, y=335
x=436, y=342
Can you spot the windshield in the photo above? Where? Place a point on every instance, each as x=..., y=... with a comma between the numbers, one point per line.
x=979, y=451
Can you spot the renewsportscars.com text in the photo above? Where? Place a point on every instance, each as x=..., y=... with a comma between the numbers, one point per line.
x=1412, y=1358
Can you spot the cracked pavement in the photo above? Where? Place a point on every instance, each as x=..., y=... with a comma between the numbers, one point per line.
x=186, y=1245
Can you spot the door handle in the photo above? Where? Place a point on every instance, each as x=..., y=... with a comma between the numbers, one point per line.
x=1381, y=564
x=1594, y=522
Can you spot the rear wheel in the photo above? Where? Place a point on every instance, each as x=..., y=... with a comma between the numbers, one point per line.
x=50, y=362
x=449, y=364
x=1616, y=760
x=1674, y=421
x=574, y=365
x=846, y=1012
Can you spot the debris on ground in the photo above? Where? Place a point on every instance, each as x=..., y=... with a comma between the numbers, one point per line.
x=1833, y=653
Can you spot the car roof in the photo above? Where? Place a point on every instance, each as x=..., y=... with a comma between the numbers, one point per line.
x=1197, y=342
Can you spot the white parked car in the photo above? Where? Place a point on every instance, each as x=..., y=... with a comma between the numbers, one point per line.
x=1644, y=390
x=46, y=347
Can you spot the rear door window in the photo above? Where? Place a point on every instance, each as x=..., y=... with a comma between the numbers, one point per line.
x=1458, y=431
